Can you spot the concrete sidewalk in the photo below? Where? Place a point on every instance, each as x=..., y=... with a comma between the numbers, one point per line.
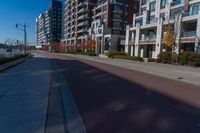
x=24, y=92
x=176, y=72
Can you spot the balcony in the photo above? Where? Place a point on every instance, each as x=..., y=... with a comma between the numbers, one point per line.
x=81, y=37
x=83, y=10
x=188, y=40
x=82, y=24
x=82, y=17
x=190, y=13
x=72, y=1
x=82, y=30
x=98, y=7
x=148, y=38
x=138, y=14
x=122, y=42
x=98, y=14
x=81, y=4
x=99, y=31
x=153, y=21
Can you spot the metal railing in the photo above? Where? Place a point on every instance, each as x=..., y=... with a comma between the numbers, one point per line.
x=138, y=14
x=151, y=21
x=150, y=37
x=189, y=34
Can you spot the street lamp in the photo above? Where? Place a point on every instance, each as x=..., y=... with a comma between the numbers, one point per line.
x=23, y=28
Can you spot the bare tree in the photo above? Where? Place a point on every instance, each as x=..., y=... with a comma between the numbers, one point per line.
x=10, y=43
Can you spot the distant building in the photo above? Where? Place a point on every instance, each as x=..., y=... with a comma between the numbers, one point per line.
x=144, y=37
x=49, y=24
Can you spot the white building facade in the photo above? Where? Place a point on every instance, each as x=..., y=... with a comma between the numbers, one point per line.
x=109, y=21
x=144, y=38
x=41, y=31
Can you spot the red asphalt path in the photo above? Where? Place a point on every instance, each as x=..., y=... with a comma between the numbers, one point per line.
x=116, y=100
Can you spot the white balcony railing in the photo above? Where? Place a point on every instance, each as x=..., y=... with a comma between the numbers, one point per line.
x=148, y=38
x=189, y=34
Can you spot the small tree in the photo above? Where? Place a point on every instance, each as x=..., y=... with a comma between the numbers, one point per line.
x=170, y=39
x=91, y=45
x=10, y=43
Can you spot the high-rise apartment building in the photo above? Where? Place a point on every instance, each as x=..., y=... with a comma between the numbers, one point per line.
x=40, y=31
x=77, y=21
x=109, y=21
x=49, y=24
x=102, y=20
x=145, y=37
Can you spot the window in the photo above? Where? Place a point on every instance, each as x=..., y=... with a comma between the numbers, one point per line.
x=104, y=16
x=193, y=9
x=175, y=12
x=117, y=16
x=144, y=2
x=152, y=19
x=140, y=21
x=177, y=2
x=117, y=7
x=143, y=10
x=116, y=32
x=153, y=6
x=104, y=8
x=163, y=3
x=119, y=1
x=126, y=10
x=117, y=24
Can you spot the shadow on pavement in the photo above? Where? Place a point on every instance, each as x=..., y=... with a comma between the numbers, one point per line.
x=110, y=104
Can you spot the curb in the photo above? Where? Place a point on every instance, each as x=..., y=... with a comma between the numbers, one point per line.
x=8, y=65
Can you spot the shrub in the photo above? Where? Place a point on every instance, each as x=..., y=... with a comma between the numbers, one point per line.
x=71, y=52
x=79, y=50
x=194, y=59
x=9, y=59
x=91, y=53
x=111, y=54
x=120, y=55
x=196, y=64
x=190, y=58
x=164, y=57
x=4, y=60
x=87, y=53
x=184, y=58
x=125, y=57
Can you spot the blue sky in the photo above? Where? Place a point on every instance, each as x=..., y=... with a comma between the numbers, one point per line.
x=20, y=11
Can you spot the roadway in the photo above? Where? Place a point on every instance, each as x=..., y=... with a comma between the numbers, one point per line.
x=112, y=104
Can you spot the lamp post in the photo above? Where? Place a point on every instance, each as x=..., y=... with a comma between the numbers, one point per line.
x=23, y=28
